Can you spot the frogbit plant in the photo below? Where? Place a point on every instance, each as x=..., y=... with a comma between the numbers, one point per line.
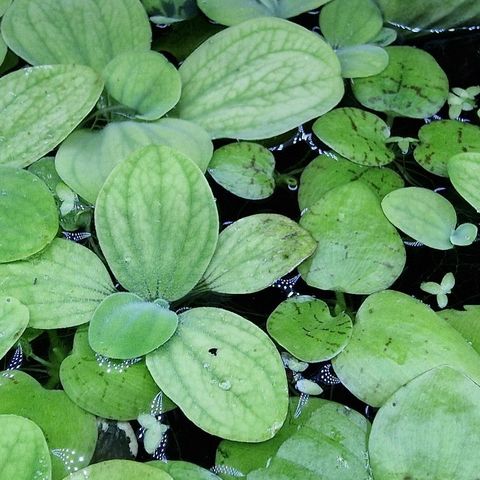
x=441, y=290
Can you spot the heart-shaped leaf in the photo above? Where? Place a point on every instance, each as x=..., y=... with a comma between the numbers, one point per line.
x=304, y=327
x=467, y=322
x=395, y=339
x=358, y=250
x=362, y=60
x=86, y=32
x=464, y=173
x=255, y=251
x=355, y=134
x=124, y=326
x=158, y=241
x=28, y=214
x=211, y=369
x=257, y=89
x=40, y=106
x=13, y=321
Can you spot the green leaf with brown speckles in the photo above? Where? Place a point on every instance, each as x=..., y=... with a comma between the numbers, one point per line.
x=464, y=173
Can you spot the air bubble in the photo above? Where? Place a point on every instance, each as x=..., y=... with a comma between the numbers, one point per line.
x=225, y=385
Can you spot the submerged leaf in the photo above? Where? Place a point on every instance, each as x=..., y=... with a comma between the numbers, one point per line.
x=13, y=321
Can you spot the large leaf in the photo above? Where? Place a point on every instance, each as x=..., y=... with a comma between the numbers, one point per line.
x=40, y=106
x=466, y=321
x=13, y=321
x=250, y=81
x=440, y=141
x=358, y=250
x=22, y=395
x=86, y=158
x=61, y=286
x=427, y=429
x=464, y=173
x=255, y=251
x=23, y=450
x=28, y=214
x=357, y=135
x=413, y=85
x=124, y=326
x=213, y=368
x=87, y=32
x=158, y=240
x=395, y=339
x=107, y=388
x=184, y=470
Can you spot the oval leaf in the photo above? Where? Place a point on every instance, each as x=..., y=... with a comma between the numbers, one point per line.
x=13, y=321
x=358, y=250
x=124, y=326
x=88, y=32
x=144, y=81
x=304, y=327
x=362, y=60
x=211, y=369
x=422, y=214
x=175, y=229
x=464, y=173
x=259, y=88
x=61, y=286
x=355, y=134
x=40, y=106
x=395, y=339
x=28, y=214
x=413, y=85
x=255, y=251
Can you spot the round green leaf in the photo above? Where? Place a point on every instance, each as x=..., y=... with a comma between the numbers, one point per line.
x=440, y=141
x=358, y=250
x=61, y=286
x=355, y=134
x=304, y=327
x=183, y=470
x=214, y=367
x=422, y=214
x=124, y=326
x=250, y=81
x=464, y=173
x=87, y=32
x=254, y=252
x=75, y=439
x=23, y=450
x=40, y=106
x=327, y=172
x=86, y=158
x=425, y=430
x=13, y=321
x=144, y=81
x=345, y=23
x=28, y=214
x=119, y=390
x=244, y=169
x=114, y=469
x=157, y=240
x=467, y=322
x=362, y=60
x=395, y=339
x=413, y=85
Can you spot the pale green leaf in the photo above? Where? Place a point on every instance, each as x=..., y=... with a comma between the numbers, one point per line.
x=250, y=81
x=40, y=106
x=86, y=32
x=184, y=470
x=358, y=250
x=214, y=367
x=433, y=288
x=308, y=387
x=355, y=134
x=13, y=321
x=86, y=158
x=464, y=173
x=467, y=322
x=23, y=450
x=124, y=326
x=395, y=339
x=144, y=81
x=61, y=286
x=464, y=235
x=158, y=240
x=413, y=85
x=244, y=169
x=254, y=252
x=427, y=429
x=28, y=214
x=304, y=327
x=170, y=11
x=362, y=60
x=448, y=282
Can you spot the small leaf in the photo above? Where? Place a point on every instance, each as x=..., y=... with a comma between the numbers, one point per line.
x=442, y=300
x=464, y=235
x=464, y=173
x=171, y=11
x=124, y=326
x=362, y=60
x=13, y=321
x=28, y=215
x=448, y=282
x=210, y=368
x=255, y=251
x=308, y=387
x=431, y=287
x=355, y=134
